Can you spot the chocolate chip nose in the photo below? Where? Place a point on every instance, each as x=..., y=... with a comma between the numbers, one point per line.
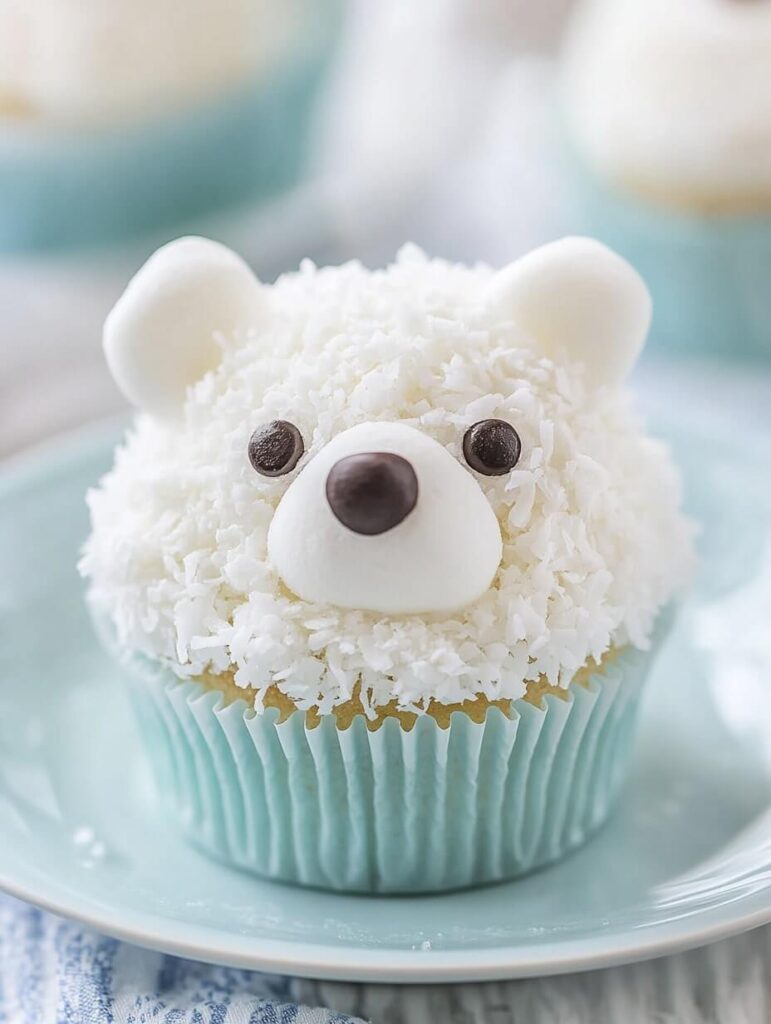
x=372, y=492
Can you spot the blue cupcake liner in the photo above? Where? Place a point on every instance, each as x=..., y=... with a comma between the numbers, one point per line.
x=708, y=275
x=61, y=188
x=389, y=810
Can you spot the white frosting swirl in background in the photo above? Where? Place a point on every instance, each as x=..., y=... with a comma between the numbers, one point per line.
x=88, y=60
x=673, y=99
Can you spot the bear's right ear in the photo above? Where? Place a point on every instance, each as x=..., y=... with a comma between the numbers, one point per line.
x=160, y=336
x=578, y=300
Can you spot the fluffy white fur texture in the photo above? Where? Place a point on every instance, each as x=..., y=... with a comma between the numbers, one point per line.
x=593, y=541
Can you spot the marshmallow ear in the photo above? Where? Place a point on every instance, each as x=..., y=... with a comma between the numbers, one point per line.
x=160, y=336
x=579, y=300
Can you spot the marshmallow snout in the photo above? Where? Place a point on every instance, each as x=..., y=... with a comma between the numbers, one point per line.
x=384, y=519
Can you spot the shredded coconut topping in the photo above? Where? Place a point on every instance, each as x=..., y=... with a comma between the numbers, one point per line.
x=593, y=540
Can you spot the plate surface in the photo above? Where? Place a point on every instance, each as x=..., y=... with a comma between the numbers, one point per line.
x=685, y=860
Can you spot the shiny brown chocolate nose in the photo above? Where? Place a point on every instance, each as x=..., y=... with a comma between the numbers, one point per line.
x=372, y=492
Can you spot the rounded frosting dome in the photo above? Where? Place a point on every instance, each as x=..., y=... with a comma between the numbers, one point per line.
x=87, y=60
x=673, y=99
x=468, y=583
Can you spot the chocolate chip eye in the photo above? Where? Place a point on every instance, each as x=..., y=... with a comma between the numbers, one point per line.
x=492, y=447
x=276, y=448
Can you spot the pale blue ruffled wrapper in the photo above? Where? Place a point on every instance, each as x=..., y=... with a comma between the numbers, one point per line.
x=390, y=810
x=708, y=275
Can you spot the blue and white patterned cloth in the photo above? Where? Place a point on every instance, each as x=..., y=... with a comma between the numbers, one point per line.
x=55, y=972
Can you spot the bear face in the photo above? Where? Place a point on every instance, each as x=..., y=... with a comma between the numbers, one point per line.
x=423, y=481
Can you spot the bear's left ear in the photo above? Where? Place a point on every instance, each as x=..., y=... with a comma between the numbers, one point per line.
x=160, y=336
x=578, y=299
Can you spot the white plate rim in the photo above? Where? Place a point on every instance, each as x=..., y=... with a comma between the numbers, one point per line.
x=346, y=963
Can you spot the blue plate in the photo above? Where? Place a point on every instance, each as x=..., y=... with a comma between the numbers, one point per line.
x=687, y=859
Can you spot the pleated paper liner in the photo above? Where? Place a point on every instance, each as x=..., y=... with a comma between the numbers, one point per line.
x=390, y=810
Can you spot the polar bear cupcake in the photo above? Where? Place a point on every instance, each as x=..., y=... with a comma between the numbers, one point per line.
x=386, y=557
x=669, y=111
x=119, y=118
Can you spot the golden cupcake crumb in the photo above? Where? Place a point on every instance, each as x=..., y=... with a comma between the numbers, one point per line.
x=344, y=714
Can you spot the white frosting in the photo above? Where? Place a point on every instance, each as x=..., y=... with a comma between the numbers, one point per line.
x=674, y=96
x=442, y=557
x=76, y=60
x=580, y=301
x=184, y=560
x=161, y=335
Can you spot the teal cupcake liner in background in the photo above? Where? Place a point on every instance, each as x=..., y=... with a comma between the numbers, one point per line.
x=61, y=188
x=389, y=810
x=708, y=275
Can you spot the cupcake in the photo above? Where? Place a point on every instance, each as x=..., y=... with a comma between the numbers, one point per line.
x=385, y=557
x=120, y=118
x=668, y=112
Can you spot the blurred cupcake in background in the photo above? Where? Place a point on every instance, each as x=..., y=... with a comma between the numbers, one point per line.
x=120, y=118
x=668, y=108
